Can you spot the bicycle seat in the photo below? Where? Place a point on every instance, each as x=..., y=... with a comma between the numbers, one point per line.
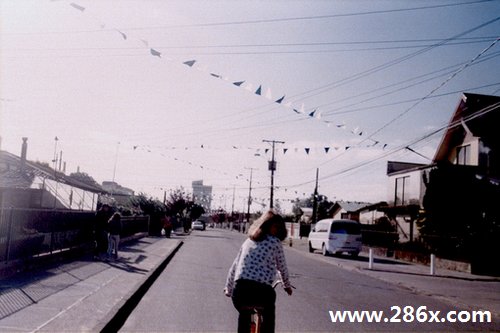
x=255, y=308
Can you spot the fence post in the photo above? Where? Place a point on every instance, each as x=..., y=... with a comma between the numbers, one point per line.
x=433, y=263
x=370, y=259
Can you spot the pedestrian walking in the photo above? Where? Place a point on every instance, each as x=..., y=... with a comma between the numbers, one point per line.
x=101, y=230
x=114, y=231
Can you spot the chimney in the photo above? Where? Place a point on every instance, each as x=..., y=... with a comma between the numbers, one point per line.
x=24, y=150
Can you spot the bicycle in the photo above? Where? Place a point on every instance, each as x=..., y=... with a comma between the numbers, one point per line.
x=256, y=316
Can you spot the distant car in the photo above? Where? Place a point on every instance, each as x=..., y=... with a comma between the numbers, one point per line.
x=336, y=236
x=198, y=225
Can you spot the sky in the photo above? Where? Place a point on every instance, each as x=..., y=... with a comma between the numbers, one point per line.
x=156, y=94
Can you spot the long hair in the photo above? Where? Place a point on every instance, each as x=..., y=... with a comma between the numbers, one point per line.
x=262, y=226
x=115, y=217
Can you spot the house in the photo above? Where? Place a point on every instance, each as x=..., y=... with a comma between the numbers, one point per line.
x=26, y=184
x=471, y=138
x=363, y=212
x=468, y=153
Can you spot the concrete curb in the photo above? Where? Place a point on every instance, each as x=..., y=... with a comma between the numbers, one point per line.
x=117, y=317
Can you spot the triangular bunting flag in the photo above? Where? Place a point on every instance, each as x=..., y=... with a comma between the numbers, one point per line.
x=259, y=91
x=123, y=34
x=301, y=110
x=155, y=53
x=268, y=93
x=285, y=150
x=312, y=113
x=281, y=100
x=74, y=5
x=189, y=63
x=307, y=150
x=238, y=83
x=327, y=149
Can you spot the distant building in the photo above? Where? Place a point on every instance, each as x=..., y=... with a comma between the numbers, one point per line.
x=26, y=184
x=119, y=193
x=202, y=194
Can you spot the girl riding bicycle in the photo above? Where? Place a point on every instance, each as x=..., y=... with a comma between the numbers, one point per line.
x=250, y=279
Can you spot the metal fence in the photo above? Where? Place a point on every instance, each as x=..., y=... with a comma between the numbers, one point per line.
x=25, y=233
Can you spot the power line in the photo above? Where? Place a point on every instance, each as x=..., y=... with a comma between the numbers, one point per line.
x=480, y=113
x=447, y=70
x=316, y=91
x=433, y=90
x=273, y=20
x=464, y=41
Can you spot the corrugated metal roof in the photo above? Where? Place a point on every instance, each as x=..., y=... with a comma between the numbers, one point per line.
x=13, y=177
x=352, y=206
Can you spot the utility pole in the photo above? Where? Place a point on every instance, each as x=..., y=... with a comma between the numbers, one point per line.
x=249, y=194
x=55, y=154
x=315, y=200
x=55, y=171
x=272, y=168
x=232, y=206
x=114, y=168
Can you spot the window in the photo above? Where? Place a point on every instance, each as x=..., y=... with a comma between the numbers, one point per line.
x=401, y=191
x=346, y=228
x=463, y=155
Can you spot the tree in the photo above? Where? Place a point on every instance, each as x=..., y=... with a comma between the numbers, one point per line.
x=324, y=206
x=460, y=212
x=195, y=210
x=152, y=207
x=177, y=203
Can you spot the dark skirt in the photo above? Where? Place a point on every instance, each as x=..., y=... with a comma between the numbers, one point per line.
x=247, y=294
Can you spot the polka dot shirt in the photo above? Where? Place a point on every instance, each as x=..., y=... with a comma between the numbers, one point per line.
x=259, y=261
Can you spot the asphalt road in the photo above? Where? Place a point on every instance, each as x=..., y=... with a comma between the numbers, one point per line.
x=187, y=297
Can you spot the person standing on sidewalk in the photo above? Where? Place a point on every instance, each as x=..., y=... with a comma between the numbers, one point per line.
x=167, y=225
x=100, y=230
x=114, y=230
x=250, y=279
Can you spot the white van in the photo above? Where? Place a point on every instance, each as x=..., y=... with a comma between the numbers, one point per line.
x=336, y=236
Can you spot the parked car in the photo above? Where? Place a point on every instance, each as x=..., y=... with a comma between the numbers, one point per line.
x=198, y=225
x=336, y=236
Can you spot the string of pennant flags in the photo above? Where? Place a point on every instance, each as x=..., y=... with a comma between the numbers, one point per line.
x=257, y=151
x=149, y=149
x=256, y=183
x=260, y=91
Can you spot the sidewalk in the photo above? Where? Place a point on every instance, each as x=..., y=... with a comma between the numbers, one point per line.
x=83, y=295
x=459, y=289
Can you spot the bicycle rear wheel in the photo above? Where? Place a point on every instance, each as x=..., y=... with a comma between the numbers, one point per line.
x=255, y=323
